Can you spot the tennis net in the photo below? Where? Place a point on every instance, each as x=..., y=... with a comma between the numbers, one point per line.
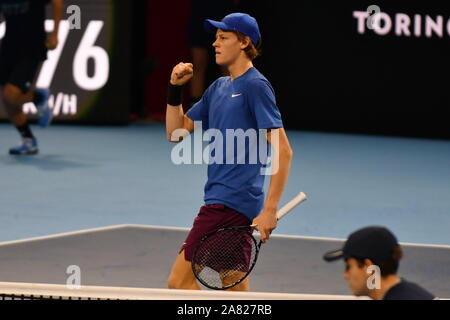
x=38, y=291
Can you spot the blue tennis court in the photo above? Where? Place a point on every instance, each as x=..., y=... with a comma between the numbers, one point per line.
x=89, y=177
x=100, y=177
x=359, y=90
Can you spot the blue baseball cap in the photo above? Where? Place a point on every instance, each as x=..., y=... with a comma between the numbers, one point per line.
x=240, y=22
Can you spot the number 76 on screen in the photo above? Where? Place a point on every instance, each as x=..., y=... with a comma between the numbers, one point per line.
x=87, y=49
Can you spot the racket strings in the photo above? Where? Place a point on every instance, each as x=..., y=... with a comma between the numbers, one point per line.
x=225, y=257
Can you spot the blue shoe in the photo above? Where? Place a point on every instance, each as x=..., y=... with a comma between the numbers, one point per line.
x=44, y=112
x=28, y=146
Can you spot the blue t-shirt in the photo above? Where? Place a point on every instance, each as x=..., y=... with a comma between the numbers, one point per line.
x=232, y=108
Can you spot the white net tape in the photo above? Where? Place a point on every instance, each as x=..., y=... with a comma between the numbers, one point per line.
x=17, y=290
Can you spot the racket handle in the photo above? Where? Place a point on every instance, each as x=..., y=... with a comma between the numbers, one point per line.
x=288, y=206
x=291, y=205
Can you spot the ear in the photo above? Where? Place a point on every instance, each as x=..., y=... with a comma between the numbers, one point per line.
x=368, y=262
x=245, y=43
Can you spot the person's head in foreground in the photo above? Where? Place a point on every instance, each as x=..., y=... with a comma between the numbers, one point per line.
x=237, y=38
x=372, y=257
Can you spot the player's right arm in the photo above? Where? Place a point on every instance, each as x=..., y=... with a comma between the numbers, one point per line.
x=175, y=117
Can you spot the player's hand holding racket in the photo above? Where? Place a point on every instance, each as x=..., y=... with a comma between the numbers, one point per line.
x=225, y=258
x=265, y=223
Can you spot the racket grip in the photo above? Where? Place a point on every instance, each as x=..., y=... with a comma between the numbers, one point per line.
x=291, y=205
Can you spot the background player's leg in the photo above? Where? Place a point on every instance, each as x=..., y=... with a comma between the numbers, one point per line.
x=14, y=96
x=17, y=91
x=13, y=99
x=181, y=276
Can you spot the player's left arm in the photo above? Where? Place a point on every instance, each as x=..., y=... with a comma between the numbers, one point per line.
x=281, y=163
x=58, y=9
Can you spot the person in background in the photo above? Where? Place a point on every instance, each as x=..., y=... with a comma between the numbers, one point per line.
x=23, y=49
x=376, y=246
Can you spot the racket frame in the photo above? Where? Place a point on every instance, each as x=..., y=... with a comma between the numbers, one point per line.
x=204, y=238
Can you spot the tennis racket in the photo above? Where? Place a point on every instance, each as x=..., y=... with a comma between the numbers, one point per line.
x=226, y=257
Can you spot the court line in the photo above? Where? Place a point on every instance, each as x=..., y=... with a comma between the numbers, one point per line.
x=84, y=231
x=138, y=226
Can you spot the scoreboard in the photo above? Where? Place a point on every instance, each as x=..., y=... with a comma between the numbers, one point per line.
x=88, y=74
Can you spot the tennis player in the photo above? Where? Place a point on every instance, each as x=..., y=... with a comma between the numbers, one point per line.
x=244, y=100
x=376, y=246
x=22, y=52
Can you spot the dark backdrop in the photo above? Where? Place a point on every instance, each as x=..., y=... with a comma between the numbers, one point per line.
x=327, y=75
x=330, y=77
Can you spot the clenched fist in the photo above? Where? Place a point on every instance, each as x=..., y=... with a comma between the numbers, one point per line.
x=182, y=73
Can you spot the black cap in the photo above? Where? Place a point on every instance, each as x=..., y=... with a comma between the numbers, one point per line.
x=374, y=242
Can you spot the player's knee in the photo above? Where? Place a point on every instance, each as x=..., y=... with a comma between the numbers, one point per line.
x=11, y=94
x=12, y=109
x=181, y=281
x=174, y=282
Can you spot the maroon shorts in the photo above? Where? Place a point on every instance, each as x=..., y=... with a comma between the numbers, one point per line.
x=210, y=218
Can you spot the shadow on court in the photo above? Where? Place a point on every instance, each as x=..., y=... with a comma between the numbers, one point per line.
x=46, y=162
x=141, y=256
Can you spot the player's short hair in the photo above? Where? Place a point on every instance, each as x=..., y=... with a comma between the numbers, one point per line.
x=387, y=267
x=252, y=51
